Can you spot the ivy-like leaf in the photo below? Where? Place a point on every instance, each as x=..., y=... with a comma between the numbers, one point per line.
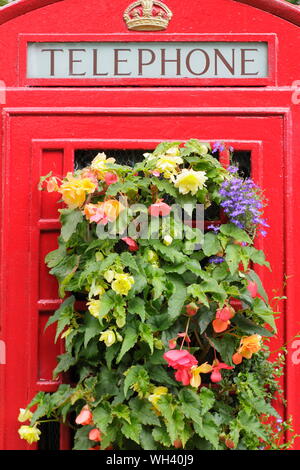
x=70, y=218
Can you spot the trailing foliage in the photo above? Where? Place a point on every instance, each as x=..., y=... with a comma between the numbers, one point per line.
x=165, y=326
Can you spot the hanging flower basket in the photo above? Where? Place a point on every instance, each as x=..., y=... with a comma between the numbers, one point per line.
x=166, y=324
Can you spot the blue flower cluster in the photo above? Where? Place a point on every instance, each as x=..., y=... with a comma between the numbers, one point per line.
x=241, y=202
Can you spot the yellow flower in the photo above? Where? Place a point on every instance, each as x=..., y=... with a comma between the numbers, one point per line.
x=157, y=393
x=108, y=337
x=94, y=307
x=122, y=283
x=29, y=433
x=24, y=415
x=173, y=151
x=75, y=190
x=167, y=164
x=189, y=181
x=99, y=164
x=196, y=371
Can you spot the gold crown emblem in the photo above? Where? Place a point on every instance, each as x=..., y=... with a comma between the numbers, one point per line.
x=147, y=15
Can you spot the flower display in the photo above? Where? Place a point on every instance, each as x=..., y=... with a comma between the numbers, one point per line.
x=190, y=181
x=157, y=316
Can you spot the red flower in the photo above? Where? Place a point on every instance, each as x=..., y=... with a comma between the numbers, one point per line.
x=159, y=208
x=110, y=178
x=95, y=435
x=133, y=246
x=252, y=288
x=216, y=374
x=183, y=375
x=85, y=416
x=236, y=304
x=172, y=343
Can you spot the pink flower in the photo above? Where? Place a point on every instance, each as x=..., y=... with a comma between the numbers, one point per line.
x=159, y=208
x=184, y=376
x=155, y=173
x=216, y=374
x=95, y=435
x=185, y=336
x=180, y=359
x=252, y=288
x=110, y=178
x=133, y=246
x=85, y=416
x=172, y=343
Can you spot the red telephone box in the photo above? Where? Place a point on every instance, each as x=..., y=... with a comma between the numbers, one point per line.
x=78, y=78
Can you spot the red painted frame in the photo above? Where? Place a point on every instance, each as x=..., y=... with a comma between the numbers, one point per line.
x=270, y=39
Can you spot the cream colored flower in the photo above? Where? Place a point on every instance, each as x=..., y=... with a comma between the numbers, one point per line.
x=108, y=337
x=122, y=283
x=190, y=181
x=24, y=415
x=168, y=240
x=109, y=275
x=94, y=307
x=29, y=433
x=167, y=164
x=99, y=163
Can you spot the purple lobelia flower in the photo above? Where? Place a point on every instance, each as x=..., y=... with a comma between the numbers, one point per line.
x=218, y=146
x=216, y=259
x=242, y=202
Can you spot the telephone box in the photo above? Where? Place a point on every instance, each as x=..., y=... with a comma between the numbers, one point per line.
x=82, y=77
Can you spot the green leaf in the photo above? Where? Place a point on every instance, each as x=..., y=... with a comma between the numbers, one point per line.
x=132, y=430
x=233, y=257
x=264, y=312
x=160, y=434
x=231, y=230
x=209, y=430
x=92, y=328
x=143, y=410
x=163, y=147
x=160, y=375
x=121, y=411
x=102, y=416
x=191, y=405
x=146, y=335
x=211, y=244
x=81, y=438
x=55, y=257
x=134, y=375
x=166, y=187
x=130, y=338
x=207, y=398
x=62, y=316
x=65, y=361
x=251, y=424
x=257, y=256
x=196, y=291
x=226, y=346
x=108, y=382
x=177, y=299
x=136, y=306
x=205, y=318
x=147, y=441
x=248, y=327
x=174, y=418
x=128, y=260
x=70, y=218
x=107, y=303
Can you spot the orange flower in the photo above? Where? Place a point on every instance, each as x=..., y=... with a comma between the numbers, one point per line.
x=222, y=321
x=103, y=212
x=249, y=345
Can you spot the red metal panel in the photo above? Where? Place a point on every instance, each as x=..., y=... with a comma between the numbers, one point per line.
x=260, y=134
